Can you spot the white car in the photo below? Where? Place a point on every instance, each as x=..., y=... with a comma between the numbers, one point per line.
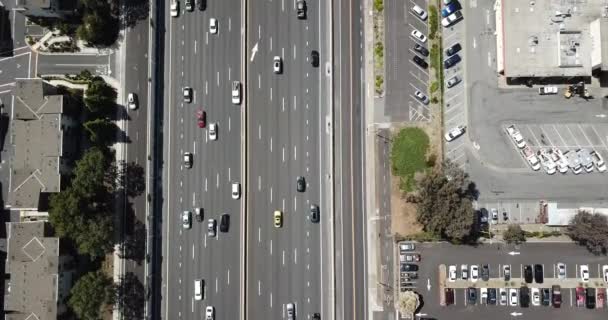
x=474, y=273
x=535, y=296
x=454, y=133
x=585, y=273
x=451, y=19
x=419, y=36
x=277, y=65
x=419, y=12
x=198, y=289
x=452, y=273
x=421, y=96
x=464, y=270
x=513, y=297
x=132, y=101
x=516, y=136
x=210, y=313
x=236, y=190
x=213, y=131
x=175, y=9
x=561, y=270
x=503, y=296
x=483, y=295
x=605, y=272
x=236, y=92
x=547, y=90
x=213, y=26
x=598, y=161
x=186, y=219
x=559, y=159
x=547, y=162
x=531, y=157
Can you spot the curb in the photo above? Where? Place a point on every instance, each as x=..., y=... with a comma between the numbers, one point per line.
x=244, y=162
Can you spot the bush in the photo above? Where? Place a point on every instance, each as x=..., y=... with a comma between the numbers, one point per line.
x=409, y=155
x=433, y=21
x=379, y=5
x=591, y=231
x=379, y=50
x=434, y=87
x=421, y=237
x=514, y=234
x=379, y=83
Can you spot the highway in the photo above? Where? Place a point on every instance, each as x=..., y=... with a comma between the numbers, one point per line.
x=286, y=122
x=208, y=63
x=350, y=251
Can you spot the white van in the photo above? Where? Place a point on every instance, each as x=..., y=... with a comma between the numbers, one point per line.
x=236, y=190
x=198, y=289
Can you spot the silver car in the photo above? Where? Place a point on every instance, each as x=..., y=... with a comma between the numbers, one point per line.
x=453, y=81
x=211, y=226
x=186, y=219
x=561, y=270
x=291, y=311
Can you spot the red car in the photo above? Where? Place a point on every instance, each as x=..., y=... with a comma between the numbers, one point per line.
x=201, y=117
x=580, y=297
x=601, y=298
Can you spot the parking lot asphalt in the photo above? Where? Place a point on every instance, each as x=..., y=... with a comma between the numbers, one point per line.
x=486, y=106
x=497, y=255
x=403, y=76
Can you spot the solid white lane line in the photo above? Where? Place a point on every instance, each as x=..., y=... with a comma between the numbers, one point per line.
x=270, y=93
x=283, y=257
x=193, y=251
x=270, y=246
x=229, y=124
x=271, y=195
x=205, y=184
x=229, y=174
x=259, y=234
x=217, y=181
x=283, y=207
x=270, y=144
x=229, y=73
x=260, y=132
x=228, y=277
x=259, y=288
x=216, y=285
x=259, y=81
x=295, y=255
x=218, y=78
x=259, y=183
x=283, y=104
x=295, y=152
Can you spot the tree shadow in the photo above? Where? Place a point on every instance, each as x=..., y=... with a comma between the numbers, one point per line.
x=130, y=297
x=134, y=11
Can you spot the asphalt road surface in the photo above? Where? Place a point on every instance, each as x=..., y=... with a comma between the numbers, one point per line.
x=351, y=289
x=284, y=128
x=208, y=63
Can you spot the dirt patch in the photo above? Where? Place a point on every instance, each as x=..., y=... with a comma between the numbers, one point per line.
x=403, y=213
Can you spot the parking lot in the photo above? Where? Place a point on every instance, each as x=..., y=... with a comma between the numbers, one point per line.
x=403, y=76
x=496, y=256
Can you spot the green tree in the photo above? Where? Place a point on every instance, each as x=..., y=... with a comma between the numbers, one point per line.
x=94, y=175
x=130, y=296
x=100, y=97
x=590, y=230
x=514, y=234
x=101, y=131
x=445, y=203
x=96, y=237
x=99, y=28
x=132, y=178
x=90, y=294
x=65, y=213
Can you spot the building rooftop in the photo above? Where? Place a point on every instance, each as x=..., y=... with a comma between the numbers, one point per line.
x=549, y=38
x=36, y=130
x=33, y=265
x=29, y=4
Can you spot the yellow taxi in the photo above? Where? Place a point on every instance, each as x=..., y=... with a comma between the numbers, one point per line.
x=278, y=219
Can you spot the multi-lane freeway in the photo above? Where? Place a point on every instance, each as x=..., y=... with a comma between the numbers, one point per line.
x=208, y=63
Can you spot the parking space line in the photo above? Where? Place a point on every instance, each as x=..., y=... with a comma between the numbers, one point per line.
x=455, y=148
x=599, y=136
x=533, y=135
x=559, y=135
x=419, y=68
x=546, y=136
x=452, y=34
x=447, y=101
x=573, y=137
x=452, y=108
x=416, y=88
x=585, y=135
x=415, y=76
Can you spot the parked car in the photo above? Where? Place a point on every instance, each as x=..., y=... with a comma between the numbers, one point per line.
x=584, y=273
x=419, y=12
x=580, y=296
x=454, y=133
x=547, y=90
x=464, y=272
x=450, y=8
x=451, y=61
x=420, y=62
x=531, y=157
x=421, y=97
x=535, y=296
x=556, y=296
x=492, y=296
x=545, y=296
x=422, y=50
x=472, y=296
x=407, y=267
x=516, y=136
x=451, y=19
x=506, y=270
x=452, y=273
x=504, y=297
x=528, y=273
x=524, y=297
x=601, y=298
x=598, y=161
x=452, y=50
x=494, y=216
x=538, y=273
x=483, y=295
x=513, y=297
x=418, y=36
x=474, y=273
x=590, y=298
x=449, y=296
x=407, y=246
x=485, y=272
x=453, y=81
x=605, y=272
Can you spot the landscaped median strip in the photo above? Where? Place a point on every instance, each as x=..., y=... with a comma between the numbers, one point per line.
x=379, y=47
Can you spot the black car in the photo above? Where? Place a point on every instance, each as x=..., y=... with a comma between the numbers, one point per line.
x=507, y=272
x=449, y=296
x=528, y=273
x=201, y=4
x=538, y=273
x=314, y=58
x=524, y=297
x=453, y=49
x=590, y=299
x=492, y=296
x=314, y=213
x=545, y=296
x=316, y=316
x=451, y=61
x=189, y=5
x=420, y=62
x=485, y=272
x=472, y=295
x=301, y=184
x=422, y=50
x=301, y=9
x=224, y=222
x=407, y=267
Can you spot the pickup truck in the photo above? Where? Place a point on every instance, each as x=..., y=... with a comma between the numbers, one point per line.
x=547, y=90
x=531, y=157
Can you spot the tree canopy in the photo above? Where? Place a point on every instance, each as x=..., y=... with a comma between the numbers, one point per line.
x=590, y=230
x=90, y=294
x=514, y=234
x=130, y=297
x=100, y=97
x=101, y=131
x=445, y=205
x=99, y=28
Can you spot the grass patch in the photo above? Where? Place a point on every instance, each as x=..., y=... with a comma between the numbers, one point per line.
x=409, y=155
x=379, y=83
x=379, y=5
x=434, y=87
x=379, y=50
x=433, y=21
